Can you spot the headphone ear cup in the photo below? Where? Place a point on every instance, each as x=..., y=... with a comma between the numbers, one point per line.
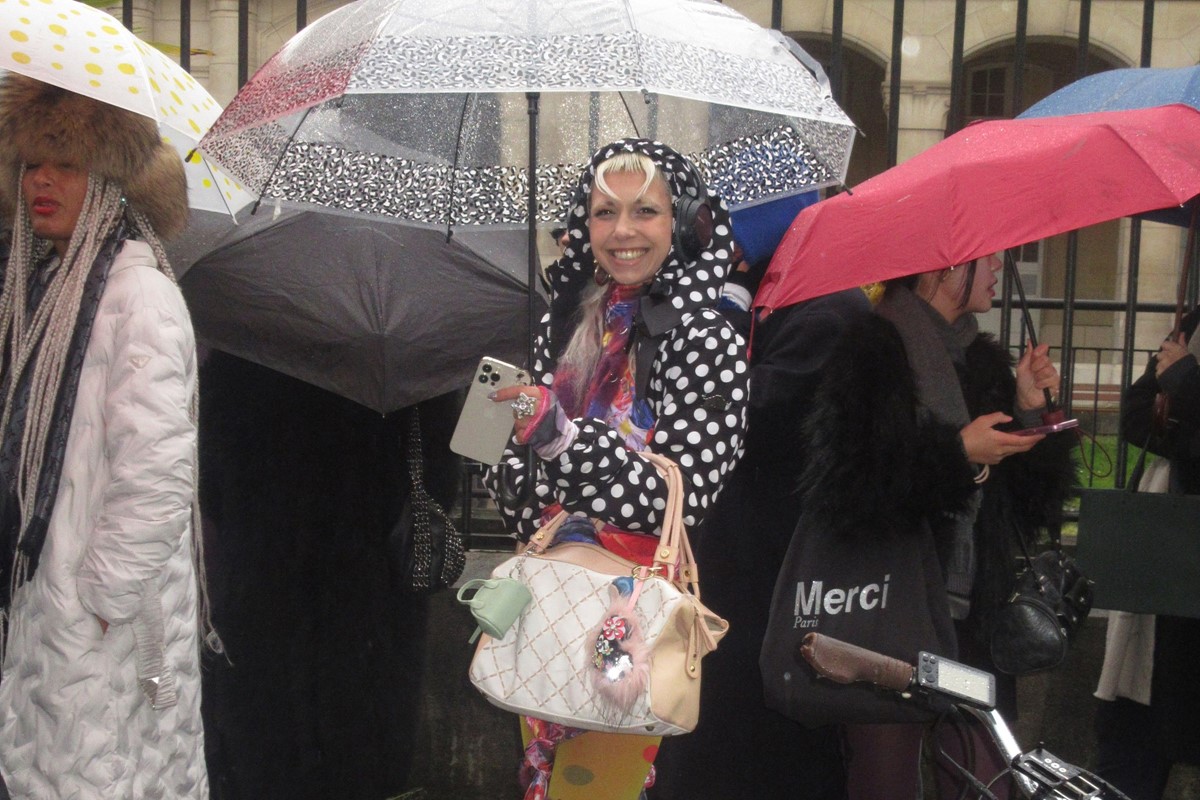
x=693, y=226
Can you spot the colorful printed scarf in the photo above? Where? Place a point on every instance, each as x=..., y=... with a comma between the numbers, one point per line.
x=610, y=395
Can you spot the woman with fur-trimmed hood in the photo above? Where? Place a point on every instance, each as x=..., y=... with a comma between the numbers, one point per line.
x=912, y=432
x=100, y=690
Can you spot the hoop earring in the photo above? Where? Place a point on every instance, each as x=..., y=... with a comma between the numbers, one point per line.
x=600, y=276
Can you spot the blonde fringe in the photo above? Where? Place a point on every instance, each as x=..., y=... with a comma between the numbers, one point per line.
x=48, y=336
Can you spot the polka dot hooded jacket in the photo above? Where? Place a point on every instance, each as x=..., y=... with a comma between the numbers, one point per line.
x=697, y=386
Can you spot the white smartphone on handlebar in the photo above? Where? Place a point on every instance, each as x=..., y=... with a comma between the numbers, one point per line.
x=485, y=426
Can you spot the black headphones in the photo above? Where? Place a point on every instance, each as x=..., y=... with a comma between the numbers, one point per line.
x=693, y=223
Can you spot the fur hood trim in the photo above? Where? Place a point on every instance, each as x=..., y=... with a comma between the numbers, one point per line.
x=40, y=122
x=877, y=462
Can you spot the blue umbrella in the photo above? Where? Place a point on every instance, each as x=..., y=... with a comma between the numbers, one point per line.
x=1122, y=90
x=1125, y=90
x=759, y=228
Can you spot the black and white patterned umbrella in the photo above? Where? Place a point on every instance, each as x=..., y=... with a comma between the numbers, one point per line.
x=416, y=109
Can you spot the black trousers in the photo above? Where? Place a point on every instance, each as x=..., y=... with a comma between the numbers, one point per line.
x=1128, y=755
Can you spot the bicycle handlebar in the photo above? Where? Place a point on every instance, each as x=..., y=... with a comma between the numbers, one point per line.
x=842, y=662
x=1038, y=774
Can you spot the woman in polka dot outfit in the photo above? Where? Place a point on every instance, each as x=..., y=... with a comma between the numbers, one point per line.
x=632, y=356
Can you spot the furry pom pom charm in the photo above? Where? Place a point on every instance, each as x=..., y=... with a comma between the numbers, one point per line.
x=620, y=664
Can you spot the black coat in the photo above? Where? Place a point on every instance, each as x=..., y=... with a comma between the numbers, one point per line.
x=881, y=463
x=741, y=746
x=1180, y=441
x=1175, y=694
x=300, y=489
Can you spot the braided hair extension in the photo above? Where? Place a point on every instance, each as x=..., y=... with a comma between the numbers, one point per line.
x=42, y=343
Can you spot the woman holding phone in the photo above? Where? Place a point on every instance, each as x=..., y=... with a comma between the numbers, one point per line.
x=914, y=430
x=632, y=356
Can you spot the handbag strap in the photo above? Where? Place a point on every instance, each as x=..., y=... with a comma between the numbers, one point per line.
x=673, y=557
x=1055, y=544
x=1139, y=469
x=415, y=456
x=541, y=539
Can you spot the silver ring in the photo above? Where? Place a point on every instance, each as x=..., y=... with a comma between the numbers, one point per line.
x=524, y=406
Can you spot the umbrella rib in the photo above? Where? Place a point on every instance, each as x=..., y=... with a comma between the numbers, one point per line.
x=641, y=70
x=279, y=160
x=629, y=18
x=629, y=113
x=462, y=117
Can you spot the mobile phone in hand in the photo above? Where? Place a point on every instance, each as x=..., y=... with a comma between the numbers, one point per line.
x=1066, y=424
x=485, y=426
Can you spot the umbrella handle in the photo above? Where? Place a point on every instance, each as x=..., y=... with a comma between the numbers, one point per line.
x=510, y=497
x=1053, y=413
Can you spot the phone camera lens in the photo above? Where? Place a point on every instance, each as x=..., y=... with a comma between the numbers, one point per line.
x=483, y=379
x=496, y=377
x=487, y=367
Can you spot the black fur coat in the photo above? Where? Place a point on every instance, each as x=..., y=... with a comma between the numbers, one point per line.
x=879, y=462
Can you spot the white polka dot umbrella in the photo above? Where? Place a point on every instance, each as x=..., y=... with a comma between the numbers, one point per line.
x=86, y=50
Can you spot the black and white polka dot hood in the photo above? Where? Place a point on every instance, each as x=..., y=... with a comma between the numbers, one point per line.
x=691, y=370
x=680, y=286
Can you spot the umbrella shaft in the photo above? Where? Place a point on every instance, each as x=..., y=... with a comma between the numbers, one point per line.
x=1011, y=266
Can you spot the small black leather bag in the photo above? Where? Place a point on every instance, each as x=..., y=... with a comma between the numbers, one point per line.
x=1049, y=603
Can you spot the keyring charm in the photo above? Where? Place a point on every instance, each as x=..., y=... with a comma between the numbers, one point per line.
x=524, y=406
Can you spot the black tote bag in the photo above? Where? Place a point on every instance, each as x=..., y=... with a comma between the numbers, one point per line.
x=884, y=592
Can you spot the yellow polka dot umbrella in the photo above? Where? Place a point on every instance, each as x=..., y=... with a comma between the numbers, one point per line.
x=86, y=50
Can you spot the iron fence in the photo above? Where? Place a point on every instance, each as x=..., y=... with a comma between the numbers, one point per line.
x=1068, y=305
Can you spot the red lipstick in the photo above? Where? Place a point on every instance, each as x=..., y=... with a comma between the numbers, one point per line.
x=43, y=205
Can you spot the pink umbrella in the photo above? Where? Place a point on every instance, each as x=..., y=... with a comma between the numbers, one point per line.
x=991, y=186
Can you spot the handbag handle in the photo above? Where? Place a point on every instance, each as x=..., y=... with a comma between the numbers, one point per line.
x=414, y=455
x=674, y=552
x=673, y=557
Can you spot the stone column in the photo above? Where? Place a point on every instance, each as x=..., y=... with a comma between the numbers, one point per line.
x=924, y=88
x=143, y=17
x=1159, y=268
x=223, y=33
x=923, y=110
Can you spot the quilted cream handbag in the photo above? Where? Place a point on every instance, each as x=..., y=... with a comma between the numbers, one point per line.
x=604, y=644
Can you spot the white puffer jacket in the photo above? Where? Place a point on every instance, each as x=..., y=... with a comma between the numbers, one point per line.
x=74, y=721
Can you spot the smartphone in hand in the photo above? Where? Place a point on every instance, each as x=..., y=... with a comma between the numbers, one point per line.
x=1066, y=424
x=485, y=426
